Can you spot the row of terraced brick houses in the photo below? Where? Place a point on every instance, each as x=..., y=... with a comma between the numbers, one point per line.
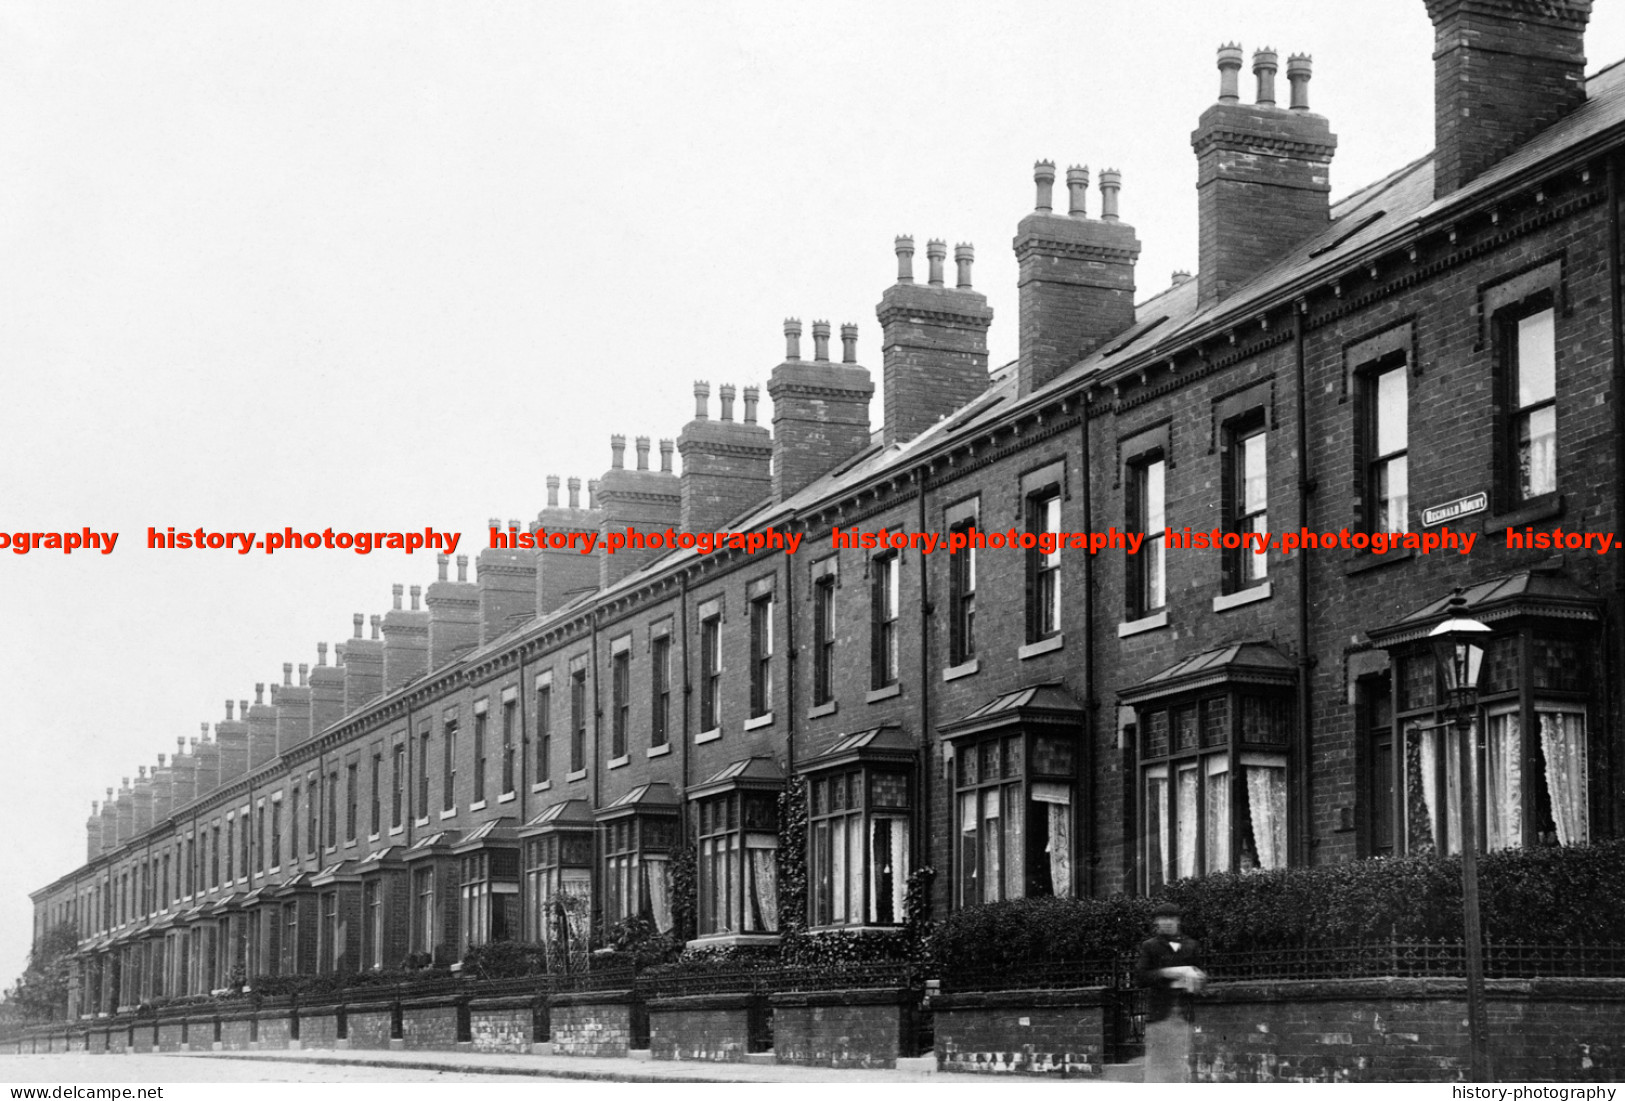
x=525, y=754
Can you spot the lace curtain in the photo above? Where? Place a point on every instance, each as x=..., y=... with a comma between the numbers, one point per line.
x=1563, y=741
x=762, y=915
x=657, y=876
x=1266, y=805
x=1503, y=782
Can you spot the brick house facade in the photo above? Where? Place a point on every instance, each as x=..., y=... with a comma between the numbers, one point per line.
x=519, y=756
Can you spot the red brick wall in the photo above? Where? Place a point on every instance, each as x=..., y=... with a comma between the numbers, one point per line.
x=708, y=1028
x=1021, y=1032
x=845, y=1028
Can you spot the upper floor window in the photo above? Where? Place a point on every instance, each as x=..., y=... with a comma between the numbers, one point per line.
x=448, y=765
x=544, y=729
x=578, y=720
x=1531, y=351
x=423, y=771
x=1148, y=570
x=824, y=640
x=397, y=804
x=1044, y=566
x=884, y=578
x=510, y=735
x=351, y=792
x=711, y=672
x=377, y=794
x=962, y=598
x=1387, y=432
x=1246, y=501
x=660, y=691
x=620, y=687
x=276, y=836
x=761, y=656
x=479, y=754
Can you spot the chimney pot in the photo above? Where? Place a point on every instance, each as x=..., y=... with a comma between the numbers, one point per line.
x=642, y=445
x=273, y=698
x=821, y=341
x=462, y=569
x=702, y=400
x=440, y=563
x=417, y=592
x=377, y=621
x=1230, y=73
x=1264, y=66
x=205, y=728
x=667, y=445
x=1111, y=182
x=229, y=706
x=140, y=772
x=792, y=338
x=242, y=706
x=725, y=399
x=338, y=653
x=1181, y=277
x=397, y=590
x=575, y=492
x=304, y=674
x=359, y=620
x=161, y=759
x=181, y=741
x=936, y=251
x=321, y=653
x=752, y=396
x=592, y=493
x=1077, y=185
x=1044, y=178
x=1298, y=68
x=617, y=452
x=964, y=256
x=287, y=674
x=905, y=258
x=849, y=343
x=259, y=693
x=552, y=491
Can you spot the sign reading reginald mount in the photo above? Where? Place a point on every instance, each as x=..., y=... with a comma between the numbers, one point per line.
x=1451, y=510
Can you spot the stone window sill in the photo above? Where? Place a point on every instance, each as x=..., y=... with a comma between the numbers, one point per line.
x=1042, y=646
x=1142, y=625
x=1225, y=601
x=759, y=721
x=619, y=762
x=708, y=735
x=452, y=813
x=506, y=797
x=963, y=669
x=574, y=776
x=477, y=806
x=822, y=709
x=885, y=692
x=658, y=750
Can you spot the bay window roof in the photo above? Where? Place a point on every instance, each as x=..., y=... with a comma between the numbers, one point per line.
x=1243, y=663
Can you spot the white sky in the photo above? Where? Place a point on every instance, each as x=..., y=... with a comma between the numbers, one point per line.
x=387, y=265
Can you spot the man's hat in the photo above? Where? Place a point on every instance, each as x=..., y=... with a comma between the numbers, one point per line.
x=1165, y=909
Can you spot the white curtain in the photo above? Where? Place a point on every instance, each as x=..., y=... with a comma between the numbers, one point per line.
x=837, y=871
x=992, y=869
x=1058, y=843
x=1186, y=825
x=1218, y=814
x=1266, y=805
x=764, y=884
x=854, y=869
x=657, y=870
x=1156, y=814
x=888, y=867
x=1563, y=742
x=1429, y=769
x=575, y=896
x=1504, y=783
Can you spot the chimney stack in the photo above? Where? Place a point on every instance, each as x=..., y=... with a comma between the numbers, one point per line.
x=820, y=409
x=1503, y=71
x=232, y=736
x=363, y=666
x=506, y=578
x=1262, y=174
x=1076, y=276
x=454, y=613
x=562, y=572
x=726, y=463
x=933, y=344
x=643, y=500
x=406, y=642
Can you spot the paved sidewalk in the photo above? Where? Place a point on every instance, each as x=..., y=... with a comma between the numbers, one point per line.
x=583, y=1068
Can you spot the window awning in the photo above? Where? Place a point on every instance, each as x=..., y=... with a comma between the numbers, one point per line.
x=1534, y=594
x=566, y=814
x=750, y=774
x=387, y=857
x=1036, y=705
x=345, y=871
x=885, y=744
x=433, y=844
x=1257, y=664
x=499, y=833
x=643, y=799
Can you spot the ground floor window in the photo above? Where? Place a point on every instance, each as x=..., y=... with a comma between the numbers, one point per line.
x=423, y=912
x=490, y=896
x=372, y=924
x=738, y=863
x=637, y=868
x=558, y=889
x=858, y=834
x=1014, y=818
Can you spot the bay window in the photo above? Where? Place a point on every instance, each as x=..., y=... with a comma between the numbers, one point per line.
x=557, y=849
x=738, y=849
x=859, y=798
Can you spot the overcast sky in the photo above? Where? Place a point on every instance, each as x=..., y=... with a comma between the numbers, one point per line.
x=387, y=265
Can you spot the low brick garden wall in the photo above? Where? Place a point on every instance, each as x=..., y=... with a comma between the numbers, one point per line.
x=275, y=1024
x=171, y=1033
x=718, y=1028
x=1022, y=1031
x=503, y=1023
x=1408, y=1030
x=319, y=1026
x=431, y=1023
x=844, y=1028
x=597, y=1022
x=370, y=1025
x=237, y=1029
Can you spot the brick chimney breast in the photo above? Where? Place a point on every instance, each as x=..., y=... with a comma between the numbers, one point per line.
x=454, y=613
x=363, y=667
x=644, y=501
x=1263, y=184
x=1076, y=277
x=820, y=410
x=563, y=573
x=326, y=692
x=727, y=463
x=1503, y=71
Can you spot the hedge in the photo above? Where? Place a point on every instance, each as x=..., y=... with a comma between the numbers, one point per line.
x=1545, y=895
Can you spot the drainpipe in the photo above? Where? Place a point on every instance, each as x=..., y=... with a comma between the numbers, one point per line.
x=922, y=844
x=790, y=662
x=1306, y=487
x=1617, y=327
x=1090, y=705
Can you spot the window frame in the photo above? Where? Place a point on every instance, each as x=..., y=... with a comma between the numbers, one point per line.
x=660, y=690
x=760, y=614
x=1374, y=463
x=1515, y=415
x=885, y=615
x=620, y=695
x=1147, y=569
x=1042, y=508
x=1243, y=566
x=962, y=596
x=824, y=639
x=578, y=719
x=711, y=672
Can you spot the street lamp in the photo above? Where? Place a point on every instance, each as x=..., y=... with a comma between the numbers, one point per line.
x=1458, y=646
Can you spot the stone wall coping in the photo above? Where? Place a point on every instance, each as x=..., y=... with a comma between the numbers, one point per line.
x=884, y=995
x=593, y=997
x=480, y=1003
x=433, y=1001
x=686, y=1003
x=370, y=1005
x=1413, y=989
x=1037, y=998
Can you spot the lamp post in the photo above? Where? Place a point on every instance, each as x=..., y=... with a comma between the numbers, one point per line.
x=1458, y=646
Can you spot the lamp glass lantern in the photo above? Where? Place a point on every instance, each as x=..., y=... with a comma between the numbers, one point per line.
x=1458, y=646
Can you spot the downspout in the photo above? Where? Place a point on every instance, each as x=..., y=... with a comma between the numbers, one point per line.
x=790, y=672
x=1306, y=487
x=522, y=694
x=1617, y=327
x=682, y=614
x=921, y=845
x=1090, y=705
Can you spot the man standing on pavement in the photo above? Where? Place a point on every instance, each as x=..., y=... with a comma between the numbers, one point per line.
x=1171, y=975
